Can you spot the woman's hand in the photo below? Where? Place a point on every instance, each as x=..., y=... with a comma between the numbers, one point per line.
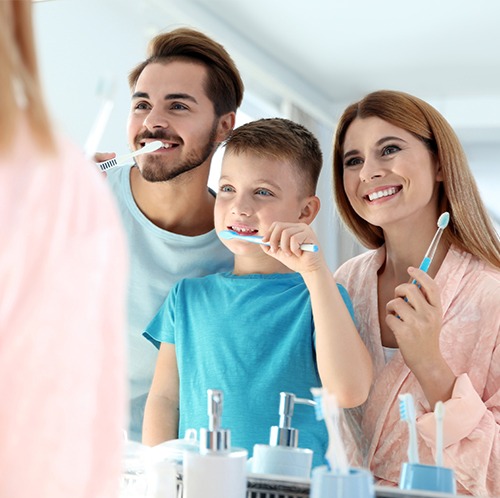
x=415, y=318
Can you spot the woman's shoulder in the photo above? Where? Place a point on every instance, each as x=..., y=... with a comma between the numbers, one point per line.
x=476, y=269
x=360, y=264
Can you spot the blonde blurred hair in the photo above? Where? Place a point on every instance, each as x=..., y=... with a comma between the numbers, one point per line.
x=20, y=89
x=470, y=227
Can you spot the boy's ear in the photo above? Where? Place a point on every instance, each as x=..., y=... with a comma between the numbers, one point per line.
x=310, y=208
x=225, y=126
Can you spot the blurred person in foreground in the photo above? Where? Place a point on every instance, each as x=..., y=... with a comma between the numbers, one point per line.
x=63, y=270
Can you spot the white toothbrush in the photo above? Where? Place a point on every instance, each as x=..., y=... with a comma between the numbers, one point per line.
x=439, y=414
x=327, y=409
x=407, y=414
x=255, y=239
x=442, y=223
x=123, y=160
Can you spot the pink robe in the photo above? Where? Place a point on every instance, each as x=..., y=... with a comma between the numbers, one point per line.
x=470, y=343
x=63, y=270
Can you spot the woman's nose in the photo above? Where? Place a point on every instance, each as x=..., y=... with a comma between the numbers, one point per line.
x=371, y=169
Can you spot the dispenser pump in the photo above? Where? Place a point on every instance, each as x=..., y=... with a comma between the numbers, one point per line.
x=214, y=438
x=285, y=434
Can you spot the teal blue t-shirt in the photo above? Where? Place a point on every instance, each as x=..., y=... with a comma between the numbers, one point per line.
x=252, y=337
x=158, y=259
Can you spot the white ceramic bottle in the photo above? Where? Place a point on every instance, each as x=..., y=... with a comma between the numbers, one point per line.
x=217, y=471
x=282, y=456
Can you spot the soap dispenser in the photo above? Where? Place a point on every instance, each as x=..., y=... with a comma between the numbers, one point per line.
x=283, y=456
x=217, y=470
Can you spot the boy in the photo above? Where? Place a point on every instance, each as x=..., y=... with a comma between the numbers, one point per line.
x=277, y=322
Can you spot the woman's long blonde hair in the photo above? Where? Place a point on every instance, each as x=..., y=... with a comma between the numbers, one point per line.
x=20, y=89
x=470, y=227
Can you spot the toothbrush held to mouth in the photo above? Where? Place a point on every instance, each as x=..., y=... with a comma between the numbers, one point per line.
x=442, y=223
x=123, y=160
x=255, y=239
x=407, y=414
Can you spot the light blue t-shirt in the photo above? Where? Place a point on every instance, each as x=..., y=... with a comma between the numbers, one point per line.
x=158, y=259
x=251, y=336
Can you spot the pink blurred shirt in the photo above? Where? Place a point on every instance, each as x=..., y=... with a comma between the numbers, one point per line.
x=470, y=343
x=62, y=315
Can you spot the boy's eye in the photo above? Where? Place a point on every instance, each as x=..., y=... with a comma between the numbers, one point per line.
x=226, y=188
x=263, y=191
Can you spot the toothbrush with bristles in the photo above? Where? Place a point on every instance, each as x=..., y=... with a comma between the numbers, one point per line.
x=407, y=414
x=442, y=223
x=439, y=414
x=255, y=239
x=125, y=159
x=327, y=409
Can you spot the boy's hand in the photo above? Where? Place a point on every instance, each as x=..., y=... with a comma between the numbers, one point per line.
x=285, y=240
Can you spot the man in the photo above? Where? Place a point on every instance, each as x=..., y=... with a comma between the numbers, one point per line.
x=186, y=95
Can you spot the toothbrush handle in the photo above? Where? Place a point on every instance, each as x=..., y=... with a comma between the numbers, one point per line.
x=309, y=247
x=424, y=266
x=413, y=445
x=258, y=240
x=117, y=161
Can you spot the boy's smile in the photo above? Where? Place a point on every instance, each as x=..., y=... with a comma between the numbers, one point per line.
x=253, y=193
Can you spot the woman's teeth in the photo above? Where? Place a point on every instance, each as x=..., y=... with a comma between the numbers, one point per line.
x=382, y=193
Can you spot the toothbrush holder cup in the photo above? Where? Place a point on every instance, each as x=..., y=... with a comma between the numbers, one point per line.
x=427, y=478
x=356, y=483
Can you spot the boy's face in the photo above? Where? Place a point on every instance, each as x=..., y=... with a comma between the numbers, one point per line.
x=253, y=193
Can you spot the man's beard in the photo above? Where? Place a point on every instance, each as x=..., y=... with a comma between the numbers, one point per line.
x=154, y=170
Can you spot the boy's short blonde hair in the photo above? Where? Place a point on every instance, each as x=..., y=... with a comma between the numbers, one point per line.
x=283, y=139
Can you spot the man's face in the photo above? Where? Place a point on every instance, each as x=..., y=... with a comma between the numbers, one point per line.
x=169, y=103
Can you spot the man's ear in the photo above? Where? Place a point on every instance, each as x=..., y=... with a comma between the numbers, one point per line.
x=310, y=208
x=225, y=126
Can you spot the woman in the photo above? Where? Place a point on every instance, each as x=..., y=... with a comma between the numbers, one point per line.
x=398, y=166
x=62, y=296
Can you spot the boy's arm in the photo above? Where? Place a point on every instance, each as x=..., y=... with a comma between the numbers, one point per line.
x=344, y=363
x=161, y=415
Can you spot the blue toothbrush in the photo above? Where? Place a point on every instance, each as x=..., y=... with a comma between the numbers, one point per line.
x=442, y=223
x=407, y=414
x=230, y=234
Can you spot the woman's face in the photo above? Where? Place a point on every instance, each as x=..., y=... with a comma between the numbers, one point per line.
x=390, y=176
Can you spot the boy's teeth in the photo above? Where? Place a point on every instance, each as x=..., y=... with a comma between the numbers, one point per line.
x=382, y=193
